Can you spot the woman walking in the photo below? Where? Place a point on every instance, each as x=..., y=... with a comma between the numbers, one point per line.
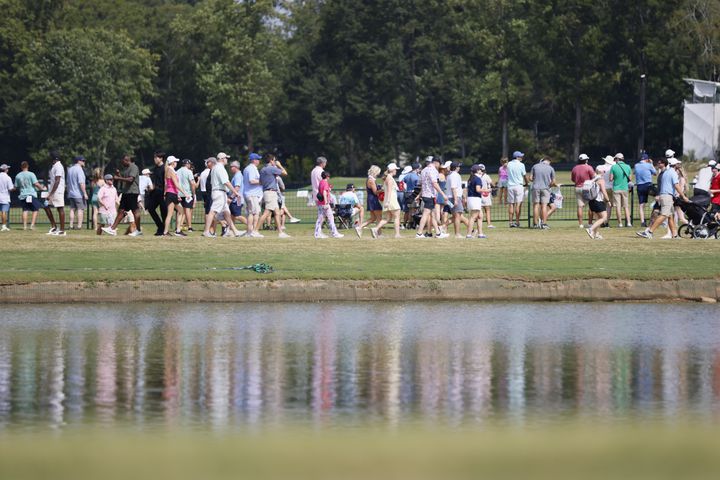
x=96, y=184
x=172, y=189
x=487, y=185
x=374, y=207
x=391, y=206
x=474, y=201
x=441, y=215
x=324, y=209
x=598, y=203
x=503, y=180
x=680, y=218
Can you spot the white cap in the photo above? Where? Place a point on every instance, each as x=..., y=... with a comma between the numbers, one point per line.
x=407, y=170
x=146, y=171
x=609, y=160
x=392, y=166
x=669, y=153
x=712, y=163
x=222, y=155
x=620, y=156
x=673, y=161
x=171, y=159
x=583, y=157
x=446, y=165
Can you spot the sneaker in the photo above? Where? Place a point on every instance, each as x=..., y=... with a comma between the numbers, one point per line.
x=581, y=226
x=190, y=229
x=374, y=232
x=512, y=225
x=294, y=220
x=629, y=225
x=491, y=226
x=158, y=234
x=358, y=231
x=468, y=236
x=667, y=236
x=598, y=237
x=590, y=233
x=545, y=226
x=536, y=227
x=442, y=235
x=419, y=235
x=337, y=235
x=180, y=234
x=240, y=234
x=4, y=228
x=136, y=233
x=227, y=233
x=283, y=235
x=60, y=233
x=644, y=234
x=51, y=231
x=321, y=235
x=481, y=236
x=256, y=235
x=209, y=235
x=110, y=231
x=643, y=224
x=620, y=225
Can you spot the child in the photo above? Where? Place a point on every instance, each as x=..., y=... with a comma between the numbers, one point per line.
x=107, y=204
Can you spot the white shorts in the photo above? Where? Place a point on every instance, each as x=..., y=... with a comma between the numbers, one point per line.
x=581, y=202
x=516, y=194
x=270, y=197
x=219, y=201
x=486, y=201
x=58, y=199
x=253, y=205
x=474, y=203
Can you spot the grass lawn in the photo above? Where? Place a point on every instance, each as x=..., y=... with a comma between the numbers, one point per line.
x=564, y=252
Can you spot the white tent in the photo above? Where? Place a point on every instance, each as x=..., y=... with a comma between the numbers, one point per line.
x=702, y=120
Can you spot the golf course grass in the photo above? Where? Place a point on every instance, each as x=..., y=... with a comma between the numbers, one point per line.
x=563, y=253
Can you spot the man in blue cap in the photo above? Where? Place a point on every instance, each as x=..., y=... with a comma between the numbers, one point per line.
x=644, y=171
x=517, y=179
x=253, y=191
x=77, y=194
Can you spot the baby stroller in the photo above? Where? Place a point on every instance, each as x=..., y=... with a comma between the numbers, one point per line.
x=413, y=204
x=701, y=224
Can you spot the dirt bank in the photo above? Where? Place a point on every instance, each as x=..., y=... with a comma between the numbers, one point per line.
x=590, y=290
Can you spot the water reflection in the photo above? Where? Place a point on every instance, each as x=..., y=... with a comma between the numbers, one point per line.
x=230, y=365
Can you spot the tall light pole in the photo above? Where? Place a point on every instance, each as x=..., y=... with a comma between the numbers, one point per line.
x=641, y=140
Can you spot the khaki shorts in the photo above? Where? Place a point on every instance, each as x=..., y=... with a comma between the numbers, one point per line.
x=541, y=195
x=58, y=199
x=620, y=199
x=611, y=195
x=270, y=197
x=253, y=205
x=515, y=194
x=666, y=203
x=578, y=196
x=106, y=218
x=219, y=201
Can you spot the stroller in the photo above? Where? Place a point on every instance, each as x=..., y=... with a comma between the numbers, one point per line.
x=413, y=204
x=701, y=224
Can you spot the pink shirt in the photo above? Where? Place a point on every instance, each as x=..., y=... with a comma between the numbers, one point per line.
x=315, y=177
x=324, y=186
x=581, y=173
x=107, y=200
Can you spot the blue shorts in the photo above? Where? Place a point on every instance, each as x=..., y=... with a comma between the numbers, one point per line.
x=642, y=191
x=4, y=207
x=235, y=209
x=36, y=205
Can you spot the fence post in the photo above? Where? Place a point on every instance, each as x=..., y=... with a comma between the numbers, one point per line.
x=529, y=202
x=632, y=205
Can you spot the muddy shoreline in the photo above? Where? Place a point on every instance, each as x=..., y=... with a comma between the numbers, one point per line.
x=587, y=290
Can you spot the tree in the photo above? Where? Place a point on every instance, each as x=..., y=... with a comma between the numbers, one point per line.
x=85, y=93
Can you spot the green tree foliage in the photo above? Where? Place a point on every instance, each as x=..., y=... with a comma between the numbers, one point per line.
x=85, y=91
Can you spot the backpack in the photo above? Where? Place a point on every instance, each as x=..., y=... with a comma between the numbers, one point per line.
x=590, y=190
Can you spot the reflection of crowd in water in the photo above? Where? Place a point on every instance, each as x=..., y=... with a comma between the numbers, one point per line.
x=397, y=368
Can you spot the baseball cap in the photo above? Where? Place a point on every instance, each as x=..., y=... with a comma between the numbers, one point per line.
x=416, y=165
x=4, y=166
x=475, y=168
x=171, y=159
x=455, y=164
x=186, y=161
x=146, y=171
x=673, y=161
x=620, y=156
x=712, y=163
x=583, y=157
x=429, y=159
x=518, y=154
x=349, y=186
x=54, y=156
x=108, y=177
x=392, y=166
x=446, y=165
x=79, y=158
x=481, y=166
x=255, y=156
x=716, y=166
x=644, y=156
x=669, y=153
x=407, y=169
x=235, y=164
x=210, y=160
x=222, y=155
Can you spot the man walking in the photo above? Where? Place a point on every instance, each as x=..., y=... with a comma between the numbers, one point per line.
x=6, y=186
x=644, y=171
x=517, y=179
x=581, y=173
x=237, y=201
x=129, y=181
x=430, y=188
x=620, y=177
x=543, y=177
x=56, y=195
x=253, y=194
x=219, y=186
x=668, y=189
x=27, y=185
x=77, y=195
x=156, y=197
x=268, y=180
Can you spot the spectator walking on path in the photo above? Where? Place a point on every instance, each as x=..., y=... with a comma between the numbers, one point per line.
x=271, y=192
x=644, y=172
x=6, y=186
x=454, y=186
x=145, y=186
x=316, y=178
x=129, y=178
x=186, y=181
x=517, y=179
x=77, y=193
x=428, y=193
x=107, y=205
x=391, y=206
x=581, y=173
x=543, y=177
x=609, y=163
x=324, y=209
x=597, y=202
x=155, y=199
x=27, y=185
x=56, y=195
x=253, y=194
x=374, y=206
x=95, y=183
x=474, y=201
x=219, y=186
x=486, y=197
x=668, y=189
x=237, y=201
x=620, y=177
x=173, y=191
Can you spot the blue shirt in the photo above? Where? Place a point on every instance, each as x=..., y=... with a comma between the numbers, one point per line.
x=668, y=181
x=75, y=178
x=516, y=173
x=268, y=177
x=644, y=172
x=411, y=181
x=237, y=181
x=251, y=190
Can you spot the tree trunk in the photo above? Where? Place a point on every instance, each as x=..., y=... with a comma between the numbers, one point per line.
x=505, y=147
x=249, y=131
x=578, y=129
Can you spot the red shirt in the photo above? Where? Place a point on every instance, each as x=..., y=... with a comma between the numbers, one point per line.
x=580, y=173
x=324, y=186
x=715, y=185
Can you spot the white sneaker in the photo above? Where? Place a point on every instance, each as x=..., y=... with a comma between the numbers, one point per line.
x=52, y=231
x=294, y=220
x=590, y=233
x=60, y=233
x=209, y=235
x=419, y=235
x=256, y=235
x=136, y=233
x=374, y=232
x=337, y=235
x=109, y=231
x=240, y=234
x=358, y=231
x=442, y=235
x=582, y=226
x=491, y=226
x=283, y=235
x=321, y=235
x=4, y=228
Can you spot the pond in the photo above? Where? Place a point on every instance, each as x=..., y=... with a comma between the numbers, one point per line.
x=225, y=366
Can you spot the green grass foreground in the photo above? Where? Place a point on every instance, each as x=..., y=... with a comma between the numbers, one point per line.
x=565, y=252
x=567, y=452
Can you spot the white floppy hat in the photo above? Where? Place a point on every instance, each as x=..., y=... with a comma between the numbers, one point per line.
x=407, y=169
x=609, y=160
